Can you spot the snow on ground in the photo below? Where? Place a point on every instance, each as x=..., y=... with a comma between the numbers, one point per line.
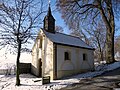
x=27, y=80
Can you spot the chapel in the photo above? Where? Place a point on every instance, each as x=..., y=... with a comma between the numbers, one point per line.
x=59, y=55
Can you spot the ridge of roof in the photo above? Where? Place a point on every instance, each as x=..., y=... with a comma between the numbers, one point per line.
x=72, y=36
x=67, y=35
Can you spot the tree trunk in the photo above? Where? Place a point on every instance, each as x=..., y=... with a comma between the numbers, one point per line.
x=101, y=56
x=110, y=34
x=110, y=46
x=17, y=63
x=110, y=29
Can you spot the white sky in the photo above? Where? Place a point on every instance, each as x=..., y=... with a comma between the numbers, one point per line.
x=25, y=57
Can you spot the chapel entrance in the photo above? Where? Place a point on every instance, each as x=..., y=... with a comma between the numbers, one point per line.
x=40, y=67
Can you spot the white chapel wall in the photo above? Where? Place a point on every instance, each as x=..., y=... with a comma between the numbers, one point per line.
x=36, y=55
x=34, y=67
x=47, y=58
x=75, y=64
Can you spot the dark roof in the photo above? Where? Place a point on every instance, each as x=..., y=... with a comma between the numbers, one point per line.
x=65, y=39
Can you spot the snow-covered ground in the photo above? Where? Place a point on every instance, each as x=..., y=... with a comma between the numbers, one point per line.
x=27, y=80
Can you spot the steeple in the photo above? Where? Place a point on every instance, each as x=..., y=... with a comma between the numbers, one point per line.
x=49, y=11
x=49, y=22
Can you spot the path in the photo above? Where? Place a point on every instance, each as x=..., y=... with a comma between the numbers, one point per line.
x=107, y=81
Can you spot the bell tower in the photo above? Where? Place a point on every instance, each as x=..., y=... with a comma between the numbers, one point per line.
x=49, y=22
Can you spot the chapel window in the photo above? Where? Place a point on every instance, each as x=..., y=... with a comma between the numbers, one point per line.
x=84, y=56
x=67, y=56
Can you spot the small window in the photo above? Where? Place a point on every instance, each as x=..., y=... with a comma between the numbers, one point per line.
x=67, y=56
x=84, y=57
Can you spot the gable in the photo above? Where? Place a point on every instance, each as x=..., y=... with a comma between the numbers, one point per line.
x=40, y=34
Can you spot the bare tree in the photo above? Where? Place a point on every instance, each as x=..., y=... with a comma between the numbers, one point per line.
x=97, y=39
x=95, y=36
x=18, y=21
x=77, y=31
x=59, y=29
x=91, y=12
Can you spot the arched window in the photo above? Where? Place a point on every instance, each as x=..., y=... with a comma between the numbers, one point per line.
x=67, y=56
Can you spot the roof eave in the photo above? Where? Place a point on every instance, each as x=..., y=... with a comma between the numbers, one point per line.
x=73, y=46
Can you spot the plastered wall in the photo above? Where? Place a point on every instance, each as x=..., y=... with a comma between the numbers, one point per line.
x=75, y=64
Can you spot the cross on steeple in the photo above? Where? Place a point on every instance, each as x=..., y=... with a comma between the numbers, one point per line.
x=49, y=2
